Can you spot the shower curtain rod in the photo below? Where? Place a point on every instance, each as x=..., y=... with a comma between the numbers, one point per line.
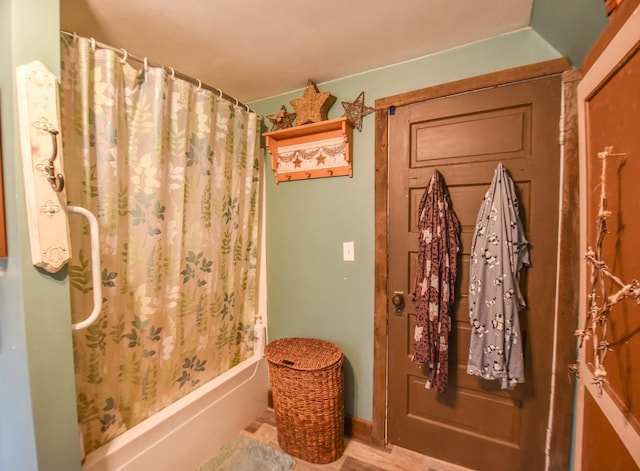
x=174, y=73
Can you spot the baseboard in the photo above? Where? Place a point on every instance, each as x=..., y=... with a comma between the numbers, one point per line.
x=358, y=429
x=354, y=427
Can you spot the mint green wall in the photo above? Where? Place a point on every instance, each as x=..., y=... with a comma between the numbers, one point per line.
x=38, y=423
x=310, y=290
x=572, y=26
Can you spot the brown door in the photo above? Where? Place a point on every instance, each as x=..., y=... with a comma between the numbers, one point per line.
x=464, y=137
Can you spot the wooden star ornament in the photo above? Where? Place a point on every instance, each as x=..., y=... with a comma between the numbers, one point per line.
x=282, y=119
x=313, y=105
x=354, y=111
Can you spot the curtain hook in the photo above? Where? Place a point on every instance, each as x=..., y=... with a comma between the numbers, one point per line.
x=173, y=73
x=93, y=44
x=236, y=101
x=199, y=84
x=75, y=37
x=220, y=92
x=248, y=109
x=146, y=65
x=125, y=56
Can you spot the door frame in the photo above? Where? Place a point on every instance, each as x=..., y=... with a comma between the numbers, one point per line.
x=568, y=259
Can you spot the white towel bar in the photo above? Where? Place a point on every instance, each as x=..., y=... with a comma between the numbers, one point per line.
x=95, y=267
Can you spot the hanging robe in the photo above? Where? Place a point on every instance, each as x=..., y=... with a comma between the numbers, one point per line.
x=436, y=269
x=499, y=249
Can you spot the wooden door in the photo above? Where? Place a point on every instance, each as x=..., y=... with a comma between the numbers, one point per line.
x=609, y=96
x=464, y=137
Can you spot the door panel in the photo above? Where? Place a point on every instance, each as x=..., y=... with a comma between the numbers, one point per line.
x=460, y=139
x=602, y=446
x=474, y=423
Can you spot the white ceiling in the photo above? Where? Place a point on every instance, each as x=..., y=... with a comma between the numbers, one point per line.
x=255, y=49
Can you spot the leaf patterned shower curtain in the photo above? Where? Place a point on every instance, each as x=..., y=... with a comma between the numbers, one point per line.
x=171, y=172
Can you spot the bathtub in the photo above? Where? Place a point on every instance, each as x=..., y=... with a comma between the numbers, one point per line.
x=186, y=434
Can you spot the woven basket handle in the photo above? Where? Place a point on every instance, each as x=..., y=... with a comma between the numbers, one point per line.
x=289, y=362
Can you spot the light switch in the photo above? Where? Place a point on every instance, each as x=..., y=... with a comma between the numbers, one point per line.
x=348, y=252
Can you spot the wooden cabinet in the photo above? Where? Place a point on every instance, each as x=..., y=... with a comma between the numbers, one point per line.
x=313, y=150
x=608, y=431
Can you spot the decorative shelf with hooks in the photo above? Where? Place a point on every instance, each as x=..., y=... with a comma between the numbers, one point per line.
x=42, y=162
x=315, y=150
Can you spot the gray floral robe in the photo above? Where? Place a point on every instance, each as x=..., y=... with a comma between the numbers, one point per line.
x=499, y=250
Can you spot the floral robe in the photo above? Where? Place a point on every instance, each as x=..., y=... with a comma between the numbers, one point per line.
x=439, y=244
x=499, y=250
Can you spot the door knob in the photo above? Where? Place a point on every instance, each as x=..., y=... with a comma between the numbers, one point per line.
x=398, y=301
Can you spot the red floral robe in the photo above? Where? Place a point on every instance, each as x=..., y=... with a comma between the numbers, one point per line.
x=439, y=244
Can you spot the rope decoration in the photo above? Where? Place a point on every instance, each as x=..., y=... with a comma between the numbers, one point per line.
x=596, y=322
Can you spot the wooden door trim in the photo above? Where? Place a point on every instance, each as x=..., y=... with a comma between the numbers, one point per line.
x=380, y=327
x=568, y=283
x=494, y=79
x=567, y=305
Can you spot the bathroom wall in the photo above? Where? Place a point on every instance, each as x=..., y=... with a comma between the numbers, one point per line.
x=37, y=396
x=311, y=290
x=572, y=26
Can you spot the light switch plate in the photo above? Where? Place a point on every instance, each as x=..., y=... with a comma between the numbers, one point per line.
x=348, y=252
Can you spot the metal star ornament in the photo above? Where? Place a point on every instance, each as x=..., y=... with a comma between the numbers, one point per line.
x=282, y=119
x=354, y=111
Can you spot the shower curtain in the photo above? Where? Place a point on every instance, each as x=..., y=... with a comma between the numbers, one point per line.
x=171, y=172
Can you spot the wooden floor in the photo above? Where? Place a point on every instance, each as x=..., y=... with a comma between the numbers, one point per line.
x=358, y=456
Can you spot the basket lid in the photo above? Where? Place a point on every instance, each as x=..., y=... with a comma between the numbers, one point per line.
x=303, y=353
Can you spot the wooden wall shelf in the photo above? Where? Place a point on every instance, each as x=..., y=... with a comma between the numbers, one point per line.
x=315, y=150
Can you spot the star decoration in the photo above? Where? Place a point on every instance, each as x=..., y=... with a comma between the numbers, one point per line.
x=313, y=105
x=356, y=110
x=282, y=119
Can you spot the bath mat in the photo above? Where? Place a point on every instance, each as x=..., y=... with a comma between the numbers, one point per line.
x=245, y=454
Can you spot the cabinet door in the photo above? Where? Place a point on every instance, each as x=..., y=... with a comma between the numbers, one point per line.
x=609, y=410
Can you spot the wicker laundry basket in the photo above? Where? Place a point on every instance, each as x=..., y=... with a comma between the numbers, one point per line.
x=307, y=381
